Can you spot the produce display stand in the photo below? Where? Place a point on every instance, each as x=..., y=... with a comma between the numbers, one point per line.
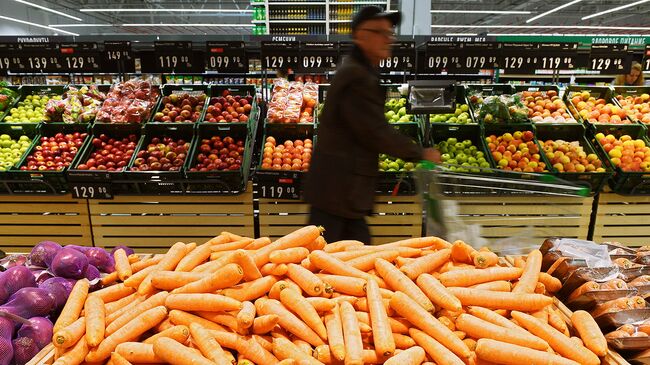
x=622, y=218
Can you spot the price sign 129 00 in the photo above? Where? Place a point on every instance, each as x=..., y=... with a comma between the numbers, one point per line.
x=91, y=191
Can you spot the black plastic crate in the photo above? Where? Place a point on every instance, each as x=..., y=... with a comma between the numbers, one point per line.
x=115, y=178
x=160, y=182
x=598, y=92
x=46, y=182
x=13, y=102
x=15, y=131
x=500, y=129
x=192, y=90
x=635, y=91
x=461, y=98
x=219, y=182
x=544, y=88
x=400, y=182
x=40, y=90
x=150, y=107
x=625, y=182
x=216, y=91
x=595, y=181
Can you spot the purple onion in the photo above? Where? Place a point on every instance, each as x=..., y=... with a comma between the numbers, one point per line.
x=43, y=253
x=39, y=329
x=59, y=289
x=100, y=258
x=41, y=276
x=6, y=350
x=92, y=273
x=69, y=263
x=14, y=279
x=25, y=349
x=30, y=302
x=128, y=250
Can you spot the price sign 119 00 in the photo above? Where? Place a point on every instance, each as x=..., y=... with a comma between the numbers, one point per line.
x=173, y=56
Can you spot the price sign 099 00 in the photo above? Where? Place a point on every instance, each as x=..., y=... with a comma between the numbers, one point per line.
x=227, y=57
x=318, y=56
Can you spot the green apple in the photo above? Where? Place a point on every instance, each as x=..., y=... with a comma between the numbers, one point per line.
x=445, y=157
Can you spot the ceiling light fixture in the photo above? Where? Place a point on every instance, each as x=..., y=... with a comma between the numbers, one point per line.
x=553, y=10
x=48, y=9
x=82, y=25
x=594, y=27
x=614, y=9
x=479, y=12
x=36, y=25
x=185, y=25
x=147, y=10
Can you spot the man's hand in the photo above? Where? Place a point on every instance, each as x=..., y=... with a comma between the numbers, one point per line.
x=431, y=154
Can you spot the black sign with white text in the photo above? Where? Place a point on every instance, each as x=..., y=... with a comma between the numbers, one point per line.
x=316, y=56
x=402, y=58
x=118, y=57
x=80, y=57
x=226, y=57
x=281, y=55
x=174, y=57
x=610, y=58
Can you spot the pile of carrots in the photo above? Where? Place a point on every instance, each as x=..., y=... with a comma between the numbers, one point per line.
x=300, y=300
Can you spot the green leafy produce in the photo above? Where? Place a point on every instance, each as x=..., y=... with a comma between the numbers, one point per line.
x=462, y=155
x=460, y=116
x=395, y=111
x=500, y=109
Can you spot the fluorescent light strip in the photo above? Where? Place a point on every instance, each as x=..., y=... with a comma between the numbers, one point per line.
x=36, y=25
x=82, y=25
x=147, y=10
x=185, y=25
x=563, y=35
x=479, y=12
x=595, y=27
x=48, y=9
x=552, y=11
x=461, y=34
x=614, y=9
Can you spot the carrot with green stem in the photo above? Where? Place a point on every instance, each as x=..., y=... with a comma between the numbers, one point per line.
x=74, y=356
x=225, y=277
x=69, y=335
x=176, y=354
x=478, y=328
x=351, y=334
x=501, y=300
x=467, y=277
x=345, y=284
x=289, y=321
x=250, y=290
x=300, y=237
x=413, y=356
x=420, y=318
x=426, y=264
x=504, y=353
x=208, y=345
x=332, y=265
x=367, y=262
x=202, y=302
x=589, y=332
x=558, y=341
x=73, y=305
x=439, y=353
x=95, y=320
x=130, y=331
x=154, y=301
x=122, y=265
x=530, y=275
x=284, y=349
x=438, y=294
x=306, y=279
x=294, y=301
x=400, y=282
x=179, y=334
x=381, y=332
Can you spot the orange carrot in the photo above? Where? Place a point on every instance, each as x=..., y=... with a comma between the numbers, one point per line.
x=400, y=282
x=519, y=262
x=420, y=242
x=246, y=315
x=321, y=304
x=170, y=280
x=351, y=334
x=484, y=259
x=113, y=292
x=300, y=237
x=251, y=290
x=179, y=317
x=556, y=339
x=345, y=284
x=462, y=252
x=136, y=279
x=448, y=322
x=413, y=356
x=120, y=303
x=250, y=348
x=70, y=334
x=152, y=302
x=225, y=277
x=552, y=284
x=258, y=243
x=220, y=318
x=317, y=244
x=234, y=245
x=294, y=301
x=130, y=331
x=402, y=341
x=199, y=255
x=362, y=305
x=117, y=359
x=509, y=354
x=439, y=353
x=530, y=275
x=335, y=333
x=478, y=328
x=179, y=334
x=274, y=269
x=289, y=256
x=137, y=352
x=341, y=245
x=122, y=265
x=501, y=300
x=471, y=343
x=419, y=317
x=584, y=288
x=190, y=247
x=265, y=323
x=95, y=320
x=498, y=285
x=367, y=262
x=332, y=265
x=74, y=356
x=438, y=294
x=303, y=346
x=118, y=313
x=477, y=276
x=247, y=263
x=426, y=264
x=173, y=256
x=231, y=236
x=381, y=331
x=202, y=302
x=284, y=349
x=143, y=264
x=73, y=305
x=555, y=320
x=307, y=280
x=274, y=293
x=208, y=345
x=109, y=279
x=492, y=317
x=589, y=332
x=174, y=353
x=289, y=321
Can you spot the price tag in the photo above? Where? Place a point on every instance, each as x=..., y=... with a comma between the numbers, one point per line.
x=173, y=57
x=439, y=56
x=402, y=58
x=609, y=58
x=280, y=55
x=37, y=57
x=646, y=58
x=285, y=186
x=227, y=57
x=80, y=57
x=472, y=57
x=118, y=57
x=91, y=191
x=315, y=57
x=8, y=59
x=518, y=57
x=559, y=56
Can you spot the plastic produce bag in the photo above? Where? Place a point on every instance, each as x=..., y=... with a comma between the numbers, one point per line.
x=593, y=254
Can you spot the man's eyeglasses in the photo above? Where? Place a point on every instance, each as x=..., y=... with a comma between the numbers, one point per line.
x=384, y=33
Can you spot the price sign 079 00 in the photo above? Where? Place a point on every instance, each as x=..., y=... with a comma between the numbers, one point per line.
x=228, y=57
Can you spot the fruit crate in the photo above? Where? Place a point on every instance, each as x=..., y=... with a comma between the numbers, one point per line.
x=41, y=90
x=278, y=178
x=10, y=105
x=461, y=98
x=15, y=131
x=192, y=90
x=487, y=90
x=45, y=182
x=219, y=181
x=642, y=92
x=151, y=107
x=595, y=181
x=240, y=90
x=598, y=92
x=625, y=182
x=400, y=182
x=115, y=178
x=544, y=88
x=159, y=182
